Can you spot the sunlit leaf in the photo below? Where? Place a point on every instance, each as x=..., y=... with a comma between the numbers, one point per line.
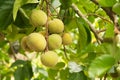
x=116, y=8
x=100, y=65
x=106, y=3
x=19, y=3
x=59, y=65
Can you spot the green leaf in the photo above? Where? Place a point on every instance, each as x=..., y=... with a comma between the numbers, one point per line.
x=90, y=6
x=74, y=76
x=22, y=20
x=23, y=72
x=84, y=34
x=116, y=8
x=52, y=74
x=71, y=24
x=18, y=62
x=59, y=66
x=64, y=74
x=6, y=7
x=88, y=35
x=27, y=70
x=19, y=3
x=100, y=65
x=77, y=76
x=65, y=4
x=109, y=31
x=106, y=3
x=2, y=43
x=19, y=75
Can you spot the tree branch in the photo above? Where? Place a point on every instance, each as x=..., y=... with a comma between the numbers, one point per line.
x=46, y=25
x=108, y=10
x=112, y=16
x=75, y=8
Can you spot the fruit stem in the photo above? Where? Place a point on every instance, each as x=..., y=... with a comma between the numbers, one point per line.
x=105, y=76
x=46, y=25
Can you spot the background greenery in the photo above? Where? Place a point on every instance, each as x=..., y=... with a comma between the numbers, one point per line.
x=93, y=53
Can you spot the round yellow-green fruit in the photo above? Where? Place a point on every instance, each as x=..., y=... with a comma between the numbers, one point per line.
x=54, y=41
x=55, y=26
x=24, y=45
x=36, y=42
x=49, y=59
x=66, y=39
x=38, y=18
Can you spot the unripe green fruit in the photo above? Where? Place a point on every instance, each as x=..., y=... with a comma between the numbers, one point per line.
x=116, y=8
x=66, y=39
x=49, y=59
x=55, y=26
x=24, y=45
x=38, y=18
x=36, y=42
x=54, y=41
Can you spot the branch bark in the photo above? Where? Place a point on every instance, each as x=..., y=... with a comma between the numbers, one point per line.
x=75, y=8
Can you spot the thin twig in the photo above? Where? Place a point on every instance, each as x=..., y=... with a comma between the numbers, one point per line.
x=108, y=10
x=112, y=16
x=99, y=17
x=65, y=53
x=102, y=30
x=41, y=4
x=75, y=8
x=53, y=8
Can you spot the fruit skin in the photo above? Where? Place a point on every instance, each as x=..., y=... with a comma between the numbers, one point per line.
x=24, y=45
x=36, y=42
x=55, y=26
x=54, y=41
x=43, y=33
x=49, y=59
x=38, y=18
x=116, y=8
x=66, y=39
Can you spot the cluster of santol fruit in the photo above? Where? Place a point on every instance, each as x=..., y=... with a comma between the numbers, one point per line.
x=36, y=41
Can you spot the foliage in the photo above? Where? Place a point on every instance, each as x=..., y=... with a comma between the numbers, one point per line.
x=88, y=57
